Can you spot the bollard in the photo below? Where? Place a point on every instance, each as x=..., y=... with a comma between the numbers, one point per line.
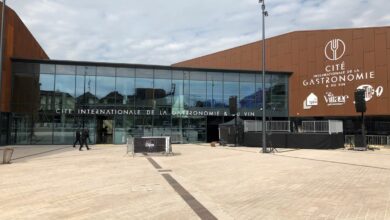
x=7, y=155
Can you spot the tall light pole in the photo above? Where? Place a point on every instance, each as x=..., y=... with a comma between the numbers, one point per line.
x=1, y=51
x=264, y=14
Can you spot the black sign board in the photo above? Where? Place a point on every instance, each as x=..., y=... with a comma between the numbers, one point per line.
x=149, y=144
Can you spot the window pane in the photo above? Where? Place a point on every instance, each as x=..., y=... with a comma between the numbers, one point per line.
x=177, y=74
x=65, y=69
x=214, y=89
x=230, y=86
x=46, y=83
x=247, y=95
x=105, y=89
x=214, y=76
x=178, y=96
x=144, y=73
x=232, y=77
x=124, y=125
x=163, y=91
x=162, y=74
x=197, y=75
x=47, y=68
x=186, y=89
x=144, y=92
x=125, y=72
x=64, y=129
x=86, y=70
x=65, y=91
x=105, y=71
x=197, y=93
x=126, y=90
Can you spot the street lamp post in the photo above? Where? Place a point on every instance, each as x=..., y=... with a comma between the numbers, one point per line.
x=264, y=13
x=1, y=50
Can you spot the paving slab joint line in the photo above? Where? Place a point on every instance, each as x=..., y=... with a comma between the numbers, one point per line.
x=161, y=170
x=154, y=163
x=191, y=201
x=41, y=153
x=335, y=162
x=194, y=204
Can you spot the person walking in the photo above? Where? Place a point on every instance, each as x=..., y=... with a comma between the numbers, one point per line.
x=104, y=134
x=78, y=138
x=84, y=139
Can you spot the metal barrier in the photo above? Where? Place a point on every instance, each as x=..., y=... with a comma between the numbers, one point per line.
x=177, y=138
x=151, y=144
x=252, y=125
x=329, y=126
x=278, y=126
x=130, y=145
x=370, y=140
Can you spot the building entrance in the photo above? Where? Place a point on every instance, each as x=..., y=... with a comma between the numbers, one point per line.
x=212, y=128
x=104, y=130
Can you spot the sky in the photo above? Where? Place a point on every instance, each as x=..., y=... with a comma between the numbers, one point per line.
x=164, y=32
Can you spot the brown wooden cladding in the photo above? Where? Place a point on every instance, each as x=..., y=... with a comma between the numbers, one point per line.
x=18, y=42
x=303, y=53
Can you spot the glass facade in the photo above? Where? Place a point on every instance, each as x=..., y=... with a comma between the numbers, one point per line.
x=52, y=99
x=4, y=121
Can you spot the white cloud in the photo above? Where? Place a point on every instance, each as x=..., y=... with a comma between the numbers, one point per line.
x=164, y=32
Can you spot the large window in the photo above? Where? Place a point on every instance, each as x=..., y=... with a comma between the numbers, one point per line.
x=125, y=97
x=259, y=91
x=198, y=89
x=178, y=95
x=125, y=86
x=278, y=88
x=105, y=85
x=164, y=100
x=163, y=88
x=64, y=97
x=247, y=91
x=144, y=91
x=214, y=89
x=65, y=84
x=43, y=121
x=86, y=85
x=230, y=86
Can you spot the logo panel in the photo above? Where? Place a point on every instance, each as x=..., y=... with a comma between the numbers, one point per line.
x=310, y=101
x=371, y=91
x=334, y=49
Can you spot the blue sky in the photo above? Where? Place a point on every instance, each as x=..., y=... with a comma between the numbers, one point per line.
x=168, y=31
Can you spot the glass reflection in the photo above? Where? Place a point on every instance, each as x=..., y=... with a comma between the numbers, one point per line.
x=230, y=87
x=65, y=91
x=214, y=89
x=164, y=89
x=247, y=91
x=144, y=92
x=126, y=91
x=167, y=91
x=105, y=89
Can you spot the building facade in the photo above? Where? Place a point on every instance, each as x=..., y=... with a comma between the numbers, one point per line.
x=327, y=67
x=311, y=75
x=52, y=99
x=18, y=42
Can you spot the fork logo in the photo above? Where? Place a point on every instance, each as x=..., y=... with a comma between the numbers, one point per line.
x=334, y=49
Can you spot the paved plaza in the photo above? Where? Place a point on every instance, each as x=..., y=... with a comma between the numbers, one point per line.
x=198, y=181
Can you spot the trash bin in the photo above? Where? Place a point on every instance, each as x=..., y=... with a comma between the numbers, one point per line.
x=7, y=155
